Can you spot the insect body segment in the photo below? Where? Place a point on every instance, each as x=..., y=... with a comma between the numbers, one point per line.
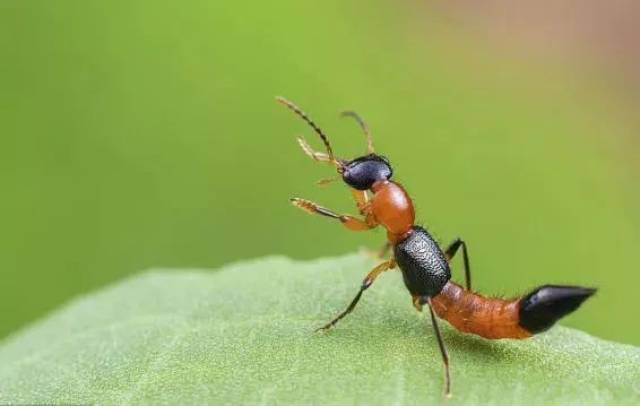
x=393, y=208
x=424, y=266
x=540, y=309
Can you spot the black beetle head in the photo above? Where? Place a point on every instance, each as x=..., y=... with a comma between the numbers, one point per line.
x=361, y=173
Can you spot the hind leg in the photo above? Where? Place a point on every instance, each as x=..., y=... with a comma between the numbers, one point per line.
x=451, y=251
x=443, y=350
x=418, y=302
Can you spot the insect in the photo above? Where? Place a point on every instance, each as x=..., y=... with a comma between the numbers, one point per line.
x=424, y=265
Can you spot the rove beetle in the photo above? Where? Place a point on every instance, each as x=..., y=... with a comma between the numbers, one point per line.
x=424, y=265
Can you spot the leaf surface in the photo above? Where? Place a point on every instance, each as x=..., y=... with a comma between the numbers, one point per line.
x=244, y=335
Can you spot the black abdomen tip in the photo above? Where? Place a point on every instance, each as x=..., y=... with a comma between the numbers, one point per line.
x=541, y=308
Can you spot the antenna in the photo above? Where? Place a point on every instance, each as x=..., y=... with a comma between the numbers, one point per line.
x=313, y=125
x=363, y=125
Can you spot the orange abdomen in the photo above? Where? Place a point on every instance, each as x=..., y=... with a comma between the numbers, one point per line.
x=393, y=209
x=472, y=313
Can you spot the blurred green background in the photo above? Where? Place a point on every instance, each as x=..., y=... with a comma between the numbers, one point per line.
x=142, y=134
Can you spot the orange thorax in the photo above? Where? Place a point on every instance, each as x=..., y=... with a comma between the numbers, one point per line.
x=392, y=208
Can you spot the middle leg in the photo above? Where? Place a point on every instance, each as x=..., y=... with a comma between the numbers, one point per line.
x=366, y=283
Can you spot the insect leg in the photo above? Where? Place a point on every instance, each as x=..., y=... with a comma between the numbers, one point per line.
x=362, y=201
x=384, y=249
x=364, y=207
x=451, y=250
x=443, y=350
x=368, y=281
x=350, y=222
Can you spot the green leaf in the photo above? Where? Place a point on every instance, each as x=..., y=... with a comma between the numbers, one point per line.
x=244, y=334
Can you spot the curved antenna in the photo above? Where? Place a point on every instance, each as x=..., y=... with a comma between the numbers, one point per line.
x=313, y=125
x=363, y=125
